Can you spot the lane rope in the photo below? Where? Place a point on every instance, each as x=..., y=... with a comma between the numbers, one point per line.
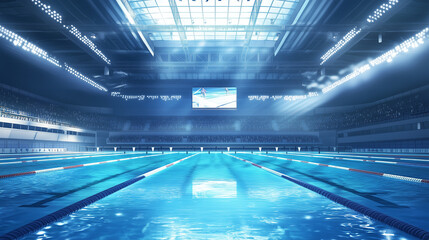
x=36, y=155
x=381, y=217
x=355, y=159
x=64, y=158
x=390, y=155
x=393, y=157
x=399, y=177
x=57, y=156
x=57, y=215
x=74, y=166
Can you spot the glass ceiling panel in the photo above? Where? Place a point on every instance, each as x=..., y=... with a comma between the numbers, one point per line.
x=234, y=15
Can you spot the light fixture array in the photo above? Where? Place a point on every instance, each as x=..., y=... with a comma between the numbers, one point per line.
x=70, y=28
x=47, y=9
x=404, y=47
x=339, y=45
x=27, y=46
x=83, y=77
x=413, y=42
x=83, y=38
x=347, y=78
x=379, y=12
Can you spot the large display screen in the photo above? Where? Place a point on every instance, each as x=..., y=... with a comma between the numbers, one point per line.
x=214, y=98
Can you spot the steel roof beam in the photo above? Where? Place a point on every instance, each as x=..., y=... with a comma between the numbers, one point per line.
x=129, y=15
x=250, y=29
x=179, y=27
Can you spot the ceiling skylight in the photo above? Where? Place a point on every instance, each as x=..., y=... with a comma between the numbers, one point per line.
x=213, y=19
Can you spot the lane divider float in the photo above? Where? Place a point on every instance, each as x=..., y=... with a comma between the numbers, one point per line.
x=64, y=158
x=74, y=166
x=394, y=157
x=57, y=215
x=36, y=155
x=381, y=217
x=399, y=177
x=390, y=155
x=56, y=156
x=356, y=159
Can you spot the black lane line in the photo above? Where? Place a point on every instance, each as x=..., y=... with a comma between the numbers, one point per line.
x=243, y=189
x=367, y=195
x=40, y=204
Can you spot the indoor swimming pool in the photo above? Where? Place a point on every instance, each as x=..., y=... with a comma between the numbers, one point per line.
x=211, y=196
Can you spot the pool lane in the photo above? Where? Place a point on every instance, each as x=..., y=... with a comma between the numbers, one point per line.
x=49, y=156
x=389, y=155
x=405, y=161
x=6, y=169
x=30, y=197
x=403, y=170
x=214, y=196
x=27, y=155
x=407, y=201
x=57, y=158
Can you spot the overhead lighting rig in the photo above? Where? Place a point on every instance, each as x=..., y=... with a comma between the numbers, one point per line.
x=375, y=16
x=71, y=29
x=19, y=42
x=403, y=48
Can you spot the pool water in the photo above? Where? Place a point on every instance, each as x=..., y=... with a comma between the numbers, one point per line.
x=212, y=196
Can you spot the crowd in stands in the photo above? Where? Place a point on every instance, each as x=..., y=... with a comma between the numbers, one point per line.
x=393, y=110
x=288, y=139
x=19, y=106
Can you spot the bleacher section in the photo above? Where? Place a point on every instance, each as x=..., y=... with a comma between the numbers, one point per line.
x=377, y=124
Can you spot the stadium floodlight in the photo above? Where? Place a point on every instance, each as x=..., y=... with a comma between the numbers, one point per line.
x=413, y=42
x=376, y=15
x=50, y=12
x=70, y=28
x=383, y=9
x=83, y=77
x=85, y=40
x=27, y=46
x=340, y=44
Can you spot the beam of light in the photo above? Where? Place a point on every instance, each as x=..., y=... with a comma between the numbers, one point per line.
x=131, y=20
x=298, y=16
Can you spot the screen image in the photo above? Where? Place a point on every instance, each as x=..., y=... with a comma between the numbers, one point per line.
x=214, y=98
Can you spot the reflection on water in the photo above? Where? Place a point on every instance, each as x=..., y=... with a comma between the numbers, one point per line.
x=214, y=189
x=216, y=199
